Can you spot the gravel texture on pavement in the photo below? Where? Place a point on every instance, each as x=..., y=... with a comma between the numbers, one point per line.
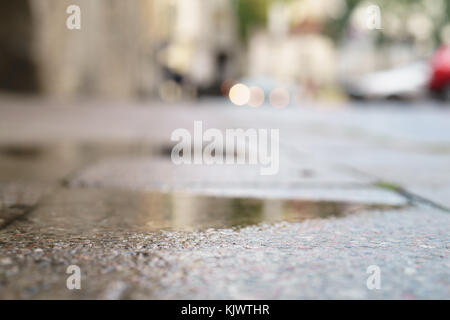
x=324, y=258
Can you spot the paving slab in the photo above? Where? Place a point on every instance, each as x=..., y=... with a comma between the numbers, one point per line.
x=300, y=179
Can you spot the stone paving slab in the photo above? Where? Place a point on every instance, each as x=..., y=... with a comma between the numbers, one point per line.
x=302, y=180
x=424, y=174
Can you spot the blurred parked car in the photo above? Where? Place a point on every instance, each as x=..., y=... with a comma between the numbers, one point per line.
x=440, y=76
x=407, y=81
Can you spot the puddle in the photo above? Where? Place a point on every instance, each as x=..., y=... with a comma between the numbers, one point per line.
x=83, y=150
x=84, y=210
x=54, y=162
x=57, y=161
x=80, y=210
x=21, y=151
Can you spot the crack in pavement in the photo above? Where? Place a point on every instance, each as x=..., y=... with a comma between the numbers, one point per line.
x=10, y=218
x=394, y=187
x=412, y=197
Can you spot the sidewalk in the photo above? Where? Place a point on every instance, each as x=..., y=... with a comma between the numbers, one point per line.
x=94, y=186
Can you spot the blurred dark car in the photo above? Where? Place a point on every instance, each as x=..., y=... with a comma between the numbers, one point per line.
x=440, y=73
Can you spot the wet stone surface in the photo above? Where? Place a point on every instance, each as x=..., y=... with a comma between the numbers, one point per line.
x=76, y=211
x=93, y=186
x=324, y=258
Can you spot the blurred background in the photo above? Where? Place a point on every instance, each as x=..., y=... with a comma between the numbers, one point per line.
x=282, y=51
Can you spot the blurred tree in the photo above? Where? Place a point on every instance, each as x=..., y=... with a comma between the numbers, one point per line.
x=336, y=28
x=250, y=14
x=253, y=13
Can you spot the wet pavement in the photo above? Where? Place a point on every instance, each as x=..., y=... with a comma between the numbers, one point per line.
x=94, y=186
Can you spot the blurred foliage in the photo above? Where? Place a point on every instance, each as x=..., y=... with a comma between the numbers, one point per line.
x=335, y=28
x=253, y=13
x=250, y=14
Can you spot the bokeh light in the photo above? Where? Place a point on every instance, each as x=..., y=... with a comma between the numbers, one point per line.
x=256, y=97
x=226, y=86
x=279, y=97
x=239, y=94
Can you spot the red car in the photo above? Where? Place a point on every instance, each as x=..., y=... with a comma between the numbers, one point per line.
x=440, y=73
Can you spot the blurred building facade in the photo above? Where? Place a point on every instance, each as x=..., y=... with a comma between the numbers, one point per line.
x=173, y=49
x=123, y=49
x=108, y=56
x=17, y=68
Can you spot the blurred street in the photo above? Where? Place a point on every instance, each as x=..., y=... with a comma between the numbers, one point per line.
x=226, y=149
x=92, y=184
